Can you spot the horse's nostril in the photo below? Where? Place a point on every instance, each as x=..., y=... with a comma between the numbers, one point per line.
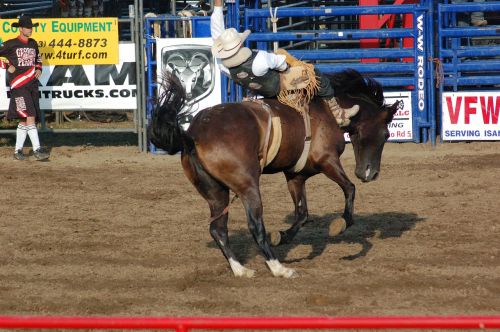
x=375, y=176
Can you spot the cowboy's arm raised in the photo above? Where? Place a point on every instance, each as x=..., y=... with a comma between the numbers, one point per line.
x=216, y=29
x=217, y=20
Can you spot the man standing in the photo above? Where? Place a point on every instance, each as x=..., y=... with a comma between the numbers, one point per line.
x=25, y=67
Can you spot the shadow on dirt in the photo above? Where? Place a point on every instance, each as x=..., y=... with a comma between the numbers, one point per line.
x=315, y=233
x=381, y=225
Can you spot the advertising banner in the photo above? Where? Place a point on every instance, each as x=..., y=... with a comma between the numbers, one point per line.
x=85, y=87
x=191, y=60
x=400, y=129
x=470, y=116
x=71, y=41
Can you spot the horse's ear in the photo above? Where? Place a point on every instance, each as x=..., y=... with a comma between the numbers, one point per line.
x=391, y=110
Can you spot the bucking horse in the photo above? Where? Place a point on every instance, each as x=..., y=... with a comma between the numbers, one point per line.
x=227, y=148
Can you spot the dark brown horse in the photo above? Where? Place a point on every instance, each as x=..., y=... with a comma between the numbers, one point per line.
x=222, y=148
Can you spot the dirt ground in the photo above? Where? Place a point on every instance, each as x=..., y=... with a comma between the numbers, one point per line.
x=107, y=230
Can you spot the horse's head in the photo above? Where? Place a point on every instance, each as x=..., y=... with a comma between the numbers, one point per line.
x=368, y=129
x=369, y=132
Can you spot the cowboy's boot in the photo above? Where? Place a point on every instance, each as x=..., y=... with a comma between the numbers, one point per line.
x=342, y=115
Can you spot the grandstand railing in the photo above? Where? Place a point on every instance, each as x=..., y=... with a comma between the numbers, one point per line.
x=12, y=8
x=465, y=61
x=183, y=324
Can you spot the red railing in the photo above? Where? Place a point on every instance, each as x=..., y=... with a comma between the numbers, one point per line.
x=182, y=324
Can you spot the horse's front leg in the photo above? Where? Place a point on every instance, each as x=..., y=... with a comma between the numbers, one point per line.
x=334, y=171
x=297, y=189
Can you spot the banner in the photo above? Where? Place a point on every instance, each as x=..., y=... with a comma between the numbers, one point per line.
x=85, y=87
x=470, y=116
x=191, y=60
x=400, y=129
x=71, y=41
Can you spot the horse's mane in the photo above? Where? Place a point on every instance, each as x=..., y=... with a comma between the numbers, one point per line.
x=350, y=82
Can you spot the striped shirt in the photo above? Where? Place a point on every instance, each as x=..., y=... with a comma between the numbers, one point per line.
x=25, y=58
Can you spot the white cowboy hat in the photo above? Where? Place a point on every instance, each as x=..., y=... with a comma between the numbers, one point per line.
x=241, y=56
x=228, y=43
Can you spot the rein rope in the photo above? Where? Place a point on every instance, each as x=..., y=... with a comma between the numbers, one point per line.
x=438, y=71
x=274, y=21
x=225, y=211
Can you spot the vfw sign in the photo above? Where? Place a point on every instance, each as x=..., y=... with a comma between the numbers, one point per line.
x=469, y=116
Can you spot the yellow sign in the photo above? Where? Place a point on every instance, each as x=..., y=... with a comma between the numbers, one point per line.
x=71, y=41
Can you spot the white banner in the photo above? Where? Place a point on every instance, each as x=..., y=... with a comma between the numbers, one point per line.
x=401, y=127
x=85, y=87
x=470, y=116
x=191, y=60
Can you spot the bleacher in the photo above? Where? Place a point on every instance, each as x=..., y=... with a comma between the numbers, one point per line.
x=40, y=8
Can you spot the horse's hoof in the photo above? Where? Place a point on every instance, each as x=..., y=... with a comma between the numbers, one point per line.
x=337, y=226
x=245, y=273
x=290, y=273
x=239, y=270
x=278, y=270
x=275, y=238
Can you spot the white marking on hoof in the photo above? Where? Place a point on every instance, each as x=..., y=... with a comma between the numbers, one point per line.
x=278, y=270
x=239, y=270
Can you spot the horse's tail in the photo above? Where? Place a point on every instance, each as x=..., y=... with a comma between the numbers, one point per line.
x=164, y=129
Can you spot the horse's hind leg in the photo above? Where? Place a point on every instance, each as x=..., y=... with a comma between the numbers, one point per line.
x=253, y=205
x=297, y=189
x=217, y=197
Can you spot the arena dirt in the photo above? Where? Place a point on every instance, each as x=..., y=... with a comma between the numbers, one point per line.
x=112, y=231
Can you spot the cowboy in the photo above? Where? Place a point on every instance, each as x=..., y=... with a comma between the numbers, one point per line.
x=260, y=70
x=25, y=67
